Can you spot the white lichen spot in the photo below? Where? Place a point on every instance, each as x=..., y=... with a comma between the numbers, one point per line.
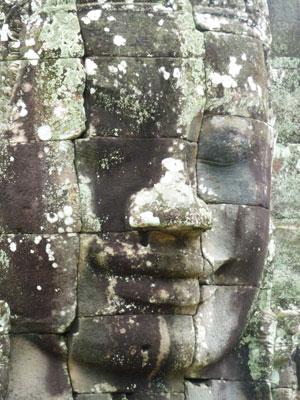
x=13, y=246
x=94, y=15
x=200, y=90
x=68, y=211
x=31, y=55
x=39, y=287
x=172, y=164
x=176, y=73
x=52, y=217
x=68, y=221
x=44, y=132
x=225, y=80
x=111, y=18
x=49, y=252
x=161, y=22
x=210, y=21
x=165, y=73
x=251, y=83
x=122, y=67
x=60, y=230
x=119, y=40
x=4, y=33
x=90, y=67
x=37, y=239
x=112, y=69
x=147, y=217
x=30, y=42
x=234, y=69
x=244, y=57
x=11, y=158
x=106, y=29
x=55, y=265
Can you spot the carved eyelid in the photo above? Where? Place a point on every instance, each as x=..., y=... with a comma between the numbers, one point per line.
x=223, y=148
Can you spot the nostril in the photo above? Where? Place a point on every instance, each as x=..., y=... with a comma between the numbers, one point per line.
x=143, y=238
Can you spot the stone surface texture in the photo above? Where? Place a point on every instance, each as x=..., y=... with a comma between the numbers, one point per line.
x=269, y=349
x=135, y=169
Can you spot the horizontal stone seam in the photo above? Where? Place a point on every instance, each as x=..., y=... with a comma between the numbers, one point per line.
x=253, y=38
x=41, y=59
x=205, y=380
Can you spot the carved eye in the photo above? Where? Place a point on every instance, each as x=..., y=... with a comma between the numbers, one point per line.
x=222, y=146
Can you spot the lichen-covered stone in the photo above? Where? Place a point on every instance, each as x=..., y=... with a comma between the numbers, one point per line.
x=4, y=348
x=138, y=97
x=284, y=22
x=38, y=368
x=286, y=182
x=39, y=192
x=226, y=390
x=236, y=76
x=284, y=394
x=39, y=29
x=287, y=339
x=228, y=309
x=4, y=365
x=131, y=353
x=240, y=17
x=130, y=167
x=40, y=290
x=236, y=246
x=285, y=98
x=286, y=276
x=234, y=161
x=163, y=30
x=41, y=100
x=4, y=315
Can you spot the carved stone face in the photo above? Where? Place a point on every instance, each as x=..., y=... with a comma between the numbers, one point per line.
x=166, y=206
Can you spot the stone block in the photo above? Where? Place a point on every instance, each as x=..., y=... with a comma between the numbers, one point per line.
x=4, y=316
x=129, y=184
x=284, y=394
x=38, y=280
x=219, y=322
x=4, y=365
x=237, y=17
x=138, y=97
x=227, y=390
x=286, y=276
x=286, y=182
x=127, y=354
x=236, y=76
x=38, y=368
x=236, y=246
x=41, y=100
x=232, y=367
x=44, y=29
x=284, y=22
x=163, y=31
x=39, y=192
x=234, y=161
x=285, y=98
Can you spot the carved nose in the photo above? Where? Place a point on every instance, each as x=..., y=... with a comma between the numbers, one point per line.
x=170, y=204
